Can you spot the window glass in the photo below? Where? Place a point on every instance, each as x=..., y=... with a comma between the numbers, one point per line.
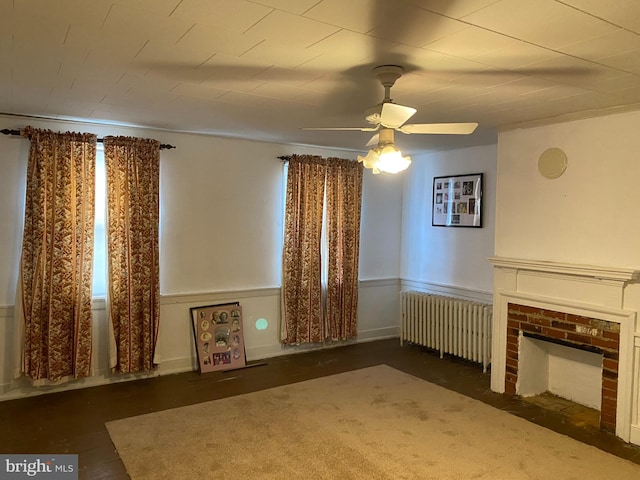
x=100, y=235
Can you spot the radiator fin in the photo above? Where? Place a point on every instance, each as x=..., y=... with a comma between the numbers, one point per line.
x=450, y=325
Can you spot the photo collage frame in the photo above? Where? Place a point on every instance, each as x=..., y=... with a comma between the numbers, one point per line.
x=457, y=201
x=218, y=334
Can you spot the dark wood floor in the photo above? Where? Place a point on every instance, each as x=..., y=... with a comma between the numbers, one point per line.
x=73, y=421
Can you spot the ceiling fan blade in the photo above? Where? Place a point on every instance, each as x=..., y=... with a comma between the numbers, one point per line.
x=359, y=129
x=394, y=115
x=373, y=140
x=439, y=128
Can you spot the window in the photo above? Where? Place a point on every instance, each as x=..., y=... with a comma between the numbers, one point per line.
x=100, y=234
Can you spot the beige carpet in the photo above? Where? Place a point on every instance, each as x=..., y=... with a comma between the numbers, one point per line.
x=374, y=423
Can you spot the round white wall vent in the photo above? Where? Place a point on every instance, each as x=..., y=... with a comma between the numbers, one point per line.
x=552, y=163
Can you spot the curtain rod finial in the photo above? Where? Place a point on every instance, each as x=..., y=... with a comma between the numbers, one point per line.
x=7, y=131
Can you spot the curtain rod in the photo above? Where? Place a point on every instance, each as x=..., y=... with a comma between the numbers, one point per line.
x=16, y=133
x=285, y=158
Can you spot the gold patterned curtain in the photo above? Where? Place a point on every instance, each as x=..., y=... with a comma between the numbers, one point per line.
x=133, y=212
x=54, y=292
x=302, y=282
x=344, y=199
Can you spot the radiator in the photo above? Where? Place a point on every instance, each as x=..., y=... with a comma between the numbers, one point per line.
x=450, y=325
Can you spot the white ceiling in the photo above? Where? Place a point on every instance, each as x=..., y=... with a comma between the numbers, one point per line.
x=262, y=69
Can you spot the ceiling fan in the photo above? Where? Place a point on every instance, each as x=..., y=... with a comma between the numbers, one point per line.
x=388, y=115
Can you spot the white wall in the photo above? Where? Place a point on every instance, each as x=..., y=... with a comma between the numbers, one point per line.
x=590, y=214
x=220, y=239
x=448, y=256
x=380, y=228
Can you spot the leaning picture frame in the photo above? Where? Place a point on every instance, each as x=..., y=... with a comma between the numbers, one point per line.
x=457, y=201
x=218, y=335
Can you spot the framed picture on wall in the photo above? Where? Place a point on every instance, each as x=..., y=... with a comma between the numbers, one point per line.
x=218, y=335
x=457, y=201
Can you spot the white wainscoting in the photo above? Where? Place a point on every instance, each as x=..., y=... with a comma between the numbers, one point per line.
x=378, y=319
x=448, y=290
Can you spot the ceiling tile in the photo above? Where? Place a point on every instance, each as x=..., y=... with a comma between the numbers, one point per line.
x=197, y=91
x=32, y=33
x=232, y=15
x=70, y=107
x=354, y=15
x=144, y=25
x=594, y=48
x=287, y=77
x=101, y=77
x=88, y=12
x=449, y=66
x=622, y=13
x=414, y=26
x=515, y=54
x=551, y=93
x=630, y=95
x=589, y=100
x=107, y=46
x=345, y=48
x=237, y=85
x=543, y=22
x=221, y=67
x=6, y=11
x=472, y=42
x=276, y=90
x=203, y=39
x=280, y=54
x=158, y=7
x=161, y=52
x=453, y=9
x=285, y=27
x=627, y=61
x=614, y=83
x=297, y=7
x=239, y=98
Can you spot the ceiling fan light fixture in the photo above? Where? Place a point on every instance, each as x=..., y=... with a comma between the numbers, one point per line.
x=391, y=160
x=371, y=159
x=385, y=157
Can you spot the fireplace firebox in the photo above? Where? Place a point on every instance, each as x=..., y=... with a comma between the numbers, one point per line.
x=590, y=334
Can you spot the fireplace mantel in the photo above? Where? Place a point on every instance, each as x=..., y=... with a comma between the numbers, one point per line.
x=624, y=275
x=586, y=290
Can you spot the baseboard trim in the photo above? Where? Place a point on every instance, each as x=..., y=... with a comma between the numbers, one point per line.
x=271, y=351
x=21, y=388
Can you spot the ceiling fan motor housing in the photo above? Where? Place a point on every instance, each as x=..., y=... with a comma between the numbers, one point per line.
x=387, y=75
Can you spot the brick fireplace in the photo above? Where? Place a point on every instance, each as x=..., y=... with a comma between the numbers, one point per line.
x=586, y=333
x=586, y=307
